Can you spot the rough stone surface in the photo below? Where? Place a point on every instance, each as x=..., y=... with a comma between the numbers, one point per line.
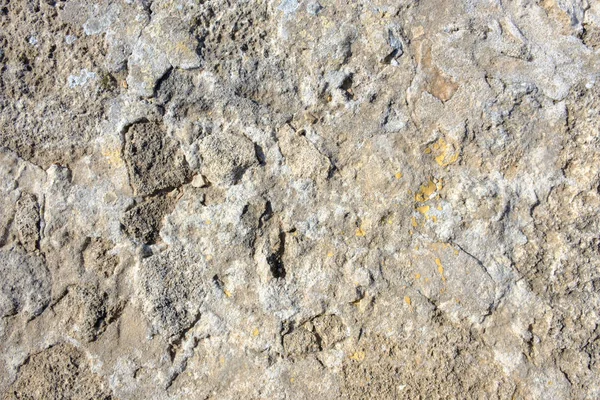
x=25, y=283
x=60, y=372
x=299, y=199
x=153, y=160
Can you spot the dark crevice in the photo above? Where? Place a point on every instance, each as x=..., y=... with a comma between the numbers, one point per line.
x=319, y=340
x=275, y=260
x=477, y=261
x=266, y=215
x=260, y=155
x=159, y=83
x=346, y=87
x=388, y=59
x=218, y=282
x=169, y=189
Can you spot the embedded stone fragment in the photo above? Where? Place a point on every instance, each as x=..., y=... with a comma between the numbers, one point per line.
x=86, y=310
x=300, y=341
x=98, y=256
x=62, y=372
x=225, y=157
x=27, y=221
x=147, y=65
x=437, y=83
x=25, y=286
x=171, y=290
x=154, y=160
x=330, y=329
x=303, y=158
x=143, y=221
x=165, y=43
x=320, y=333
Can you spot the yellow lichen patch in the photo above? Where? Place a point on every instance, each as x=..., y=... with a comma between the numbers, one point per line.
x=330, y=254
x=439, y=246
x=417, y=276
x=407, y=300
x=443, y=161
x=413, y=222
x=227, y=292
x=427, y=150
x=443, y=153
x=423, y=210
x=425, y=191
x=113, y=156
x=360, y=232
x=434, y=218
x=255, y=332
x=438, y=262
x=398, y=175
x=439, y=208
x=440, y=268
x=358, y=356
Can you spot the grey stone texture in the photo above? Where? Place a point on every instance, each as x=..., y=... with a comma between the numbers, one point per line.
x=299, y=199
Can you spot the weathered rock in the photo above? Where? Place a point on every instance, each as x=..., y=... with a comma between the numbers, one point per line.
x=61, y=372
x=299, y=199
x=26, y=283
x=143, y=222
x=27, y=221
x=98, y=256
x=153, y=159
x=172, y=291
x=225, y=157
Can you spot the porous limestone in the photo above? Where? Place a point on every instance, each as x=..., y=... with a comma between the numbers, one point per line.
x=299, y=199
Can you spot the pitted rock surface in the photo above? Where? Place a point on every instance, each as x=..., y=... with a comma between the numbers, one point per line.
x=299, y=199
